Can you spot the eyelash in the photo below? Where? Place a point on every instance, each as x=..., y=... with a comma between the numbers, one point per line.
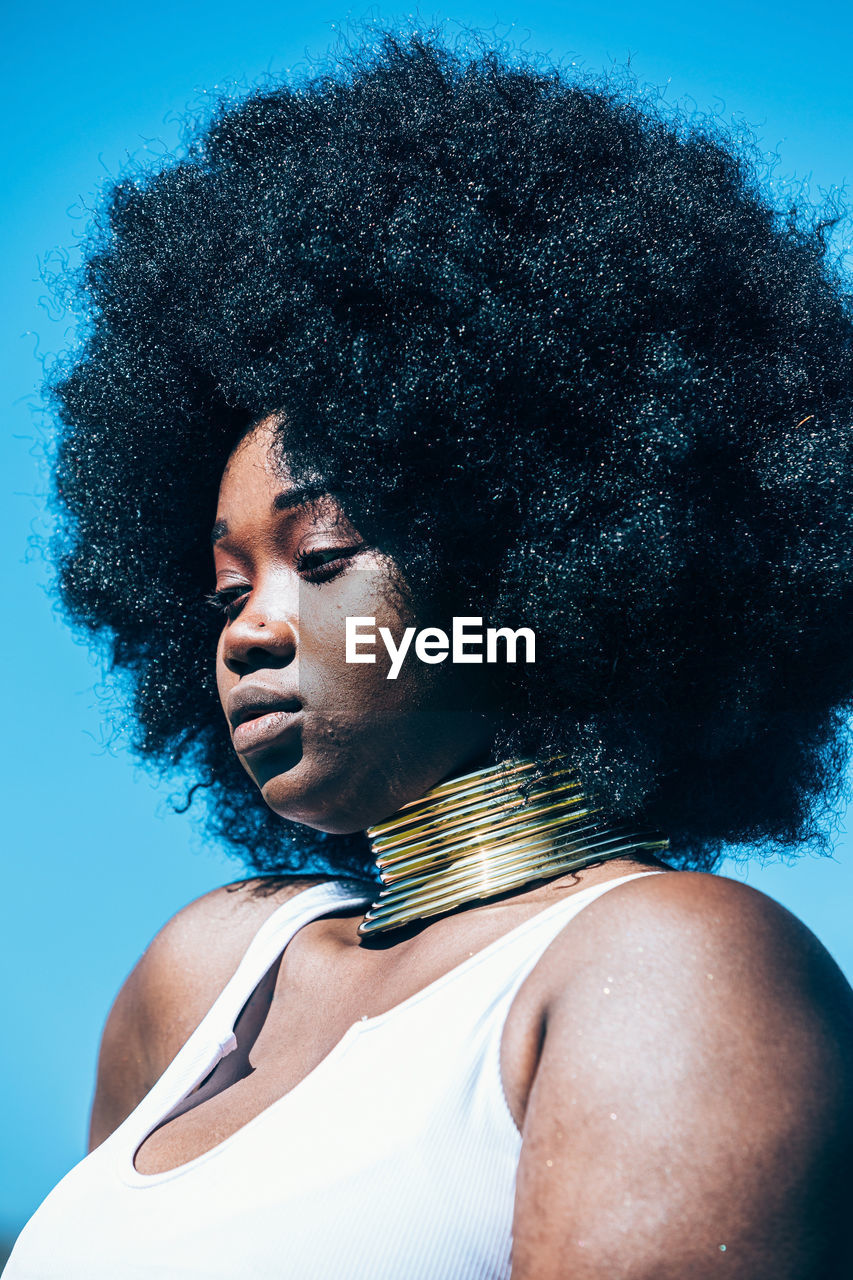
x=309, y=565
x=230, y=600
x=227, y=601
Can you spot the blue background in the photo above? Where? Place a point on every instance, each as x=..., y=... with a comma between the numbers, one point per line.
x=95, y=861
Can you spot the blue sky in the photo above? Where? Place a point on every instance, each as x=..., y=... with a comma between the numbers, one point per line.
x=95, y=861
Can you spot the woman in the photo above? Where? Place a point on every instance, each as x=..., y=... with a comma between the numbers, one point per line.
x=437, y=340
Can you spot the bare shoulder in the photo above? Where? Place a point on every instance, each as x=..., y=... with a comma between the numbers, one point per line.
x=689, y=928
x=723, y=954
x=191, y=958
x=171, y=988
x=698, y=1047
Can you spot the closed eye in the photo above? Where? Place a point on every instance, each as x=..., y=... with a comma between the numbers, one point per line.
x=324, y=563
x=229, y=600
x=317, y=566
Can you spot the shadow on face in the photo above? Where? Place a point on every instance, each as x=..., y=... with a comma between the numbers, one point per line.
x=336, y=745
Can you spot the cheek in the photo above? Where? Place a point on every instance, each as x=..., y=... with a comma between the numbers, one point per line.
x=357, y=686
x=225, y=679
x=326, y=678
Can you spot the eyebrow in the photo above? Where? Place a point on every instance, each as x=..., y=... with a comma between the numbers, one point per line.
x=288, y=500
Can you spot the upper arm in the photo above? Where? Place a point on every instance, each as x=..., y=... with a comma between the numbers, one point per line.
x=169, y=991
x=692, y=1108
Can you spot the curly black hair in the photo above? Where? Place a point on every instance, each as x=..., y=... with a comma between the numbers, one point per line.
x=553, y=346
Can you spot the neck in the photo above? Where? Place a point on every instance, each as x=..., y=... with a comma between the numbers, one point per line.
x=486, y=833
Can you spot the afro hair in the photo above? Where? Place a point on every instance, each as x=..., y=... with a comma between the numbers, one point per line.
x=556, y=349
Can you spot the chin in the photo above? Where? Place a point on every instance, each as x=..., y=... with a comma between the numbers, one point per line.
x=344, y=788
x=312, y=797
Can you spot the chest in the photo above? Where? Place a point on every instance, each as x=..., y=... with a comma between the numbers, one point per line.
x=394, y=1157
x=330, y=1145
x=297, y=1022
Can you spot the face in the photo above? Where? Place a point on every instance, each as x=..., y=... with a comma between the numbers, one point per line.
x=335, y=745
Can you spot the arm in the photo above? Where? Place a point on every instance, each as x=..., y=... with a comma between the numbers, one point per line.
x=169, y=991
x=692, y=1109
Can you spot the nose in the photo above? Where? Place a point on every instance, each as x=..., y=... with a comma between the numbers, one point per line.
x=264, y=634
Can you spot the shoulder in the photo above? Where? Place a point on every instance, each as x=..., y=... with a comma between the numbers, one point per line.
x=721, y=954
x=199, y=948
x=698, y=1046
x=684, y=927
x=171, y=988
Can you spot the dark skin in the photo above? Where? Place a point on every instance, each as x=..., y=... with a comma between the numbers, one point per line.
x=680, y=1060
x=289, y=573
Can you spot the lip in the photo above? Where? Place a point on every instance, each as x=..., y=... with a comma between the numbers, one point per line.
x=261, y=717
x=248, y=701
x=264, y=731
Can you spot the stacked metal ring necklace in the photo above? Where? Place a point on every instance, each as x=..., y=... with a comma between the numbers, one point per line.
x=478, y=835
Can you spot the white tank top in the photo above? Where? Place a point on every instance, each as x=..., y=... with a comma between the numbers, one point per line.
x=394, y=1159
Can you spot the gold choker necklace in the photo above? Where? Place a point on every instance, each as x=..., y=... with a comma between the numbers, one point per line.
x=477, y=836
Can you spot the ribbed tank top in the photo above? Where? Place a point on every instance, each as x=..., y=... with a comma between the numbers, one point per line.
x=394, y=1159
